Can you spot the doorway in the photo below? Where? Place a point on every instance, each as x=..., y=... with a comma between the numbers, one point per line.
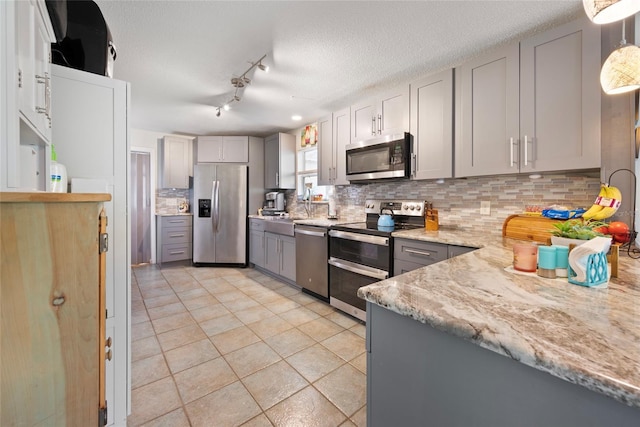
x=140, y=207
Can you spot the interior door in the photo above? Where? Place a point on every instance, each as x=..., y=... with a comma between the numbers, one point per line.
x=140, y=208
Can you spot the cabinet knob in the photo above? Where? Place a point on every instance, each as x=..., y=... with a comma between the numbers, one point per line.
x=108, y=355
x=107, y=343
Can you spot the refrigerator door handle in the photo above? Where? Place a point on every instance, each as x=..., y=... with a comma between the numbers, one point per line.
x=215, y=208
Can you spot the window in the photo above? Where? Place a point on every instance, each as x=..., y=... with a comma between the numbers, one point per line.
x=307, y=173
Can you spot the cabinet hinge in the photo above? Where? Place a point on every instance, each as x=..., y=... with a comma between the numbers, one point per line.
x=104, y=242
x=19, y=78
x=102, y=416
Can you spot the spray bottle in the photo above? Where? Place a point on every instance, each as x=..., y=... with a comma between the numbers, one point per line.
x=58, y=182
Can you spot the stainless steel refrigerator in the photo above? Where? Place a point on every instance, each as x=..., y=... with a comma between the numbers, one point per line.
x=220, y=214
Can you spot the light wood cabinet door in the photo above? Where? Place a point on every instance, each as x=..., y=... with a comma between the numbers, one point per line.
x=560, y=98
x=432, y=126
x=53, y=319
x=486, y=114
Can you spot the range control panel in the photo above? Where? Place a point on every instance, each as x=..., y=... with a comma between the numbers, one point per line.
x=398, y=207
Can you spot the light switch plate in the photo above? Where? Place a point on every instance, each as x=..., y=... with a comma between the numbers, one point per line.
x=485, y=207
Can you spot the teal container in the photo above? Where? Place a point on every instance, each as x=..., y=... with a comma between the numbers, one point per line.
x=547, y=257
x=562, y=256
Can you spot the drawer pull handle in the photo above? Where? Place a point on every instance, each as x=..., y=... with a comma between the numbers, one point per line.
x=176, y=235
x=417, y=252
x=176, y=252
x=177, y=221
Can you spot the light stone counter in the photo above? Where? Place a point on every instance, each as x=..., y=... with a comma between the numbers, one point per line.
x=586, y=336
x=320, y=222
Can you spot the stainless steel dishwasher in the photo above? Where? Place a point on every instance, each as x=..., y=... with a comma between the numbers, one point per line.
x=312, y=269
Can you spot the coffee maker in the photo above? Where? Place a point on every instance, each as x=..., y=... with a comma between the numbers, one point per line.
x=274, y=203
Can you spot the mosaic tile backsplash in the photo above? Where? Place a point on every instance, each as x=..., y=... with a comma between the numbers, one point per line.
x=168, y=199
x=458, y=200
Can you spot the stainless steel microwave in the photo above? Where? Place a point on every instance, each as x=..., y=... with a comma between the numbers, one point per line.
x=379, y=158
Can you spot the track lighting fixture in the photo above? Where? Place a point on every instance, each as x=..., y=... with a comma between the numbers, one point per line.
x=241, y=82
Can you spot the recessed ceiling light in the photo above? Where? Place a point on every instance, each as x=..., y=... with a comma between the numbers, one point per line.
x=296, y=117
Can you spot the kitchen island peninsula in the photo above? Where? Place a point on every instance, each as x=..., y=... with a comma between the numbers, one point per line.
x=467, y=342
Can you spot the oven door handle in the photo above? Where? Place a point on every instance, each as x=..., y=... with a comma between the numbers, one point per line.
x=365, y=238
x=363, y=270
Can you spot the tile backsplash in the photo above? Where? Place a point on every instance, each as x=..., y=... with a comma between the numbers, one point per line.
x=168, y=199
x=458, y=200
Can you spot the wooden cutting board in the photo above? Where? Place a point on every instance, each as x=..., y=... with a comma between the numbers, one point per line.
x=529, y=227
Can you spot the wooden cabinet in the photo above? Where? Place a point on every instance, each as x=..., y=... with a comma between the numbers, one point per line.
x=409, y=254
x=531, y=107
x=174, y=238
x=280, y=161
x=223, y=149
x=53, y=339
x=431, y=124
x=280, y=255
x=335, y=134
x=175, y=162
x=385, y=115
x=256, y=242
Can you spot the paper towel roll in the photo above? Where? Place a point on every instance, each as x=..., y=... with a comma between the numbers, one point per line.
x=579, y=255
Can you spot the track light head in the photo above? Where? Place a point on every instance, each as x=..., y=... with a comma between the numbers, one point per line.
x=263, y=67
x=218, y=112
x=236, y=98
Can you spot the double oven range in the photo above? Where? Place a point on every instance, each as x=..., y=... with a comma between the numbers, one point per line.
x=362, y=253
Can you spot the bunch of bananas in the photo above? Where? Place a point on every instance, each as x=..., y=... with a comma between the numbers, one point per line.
x=606, y=204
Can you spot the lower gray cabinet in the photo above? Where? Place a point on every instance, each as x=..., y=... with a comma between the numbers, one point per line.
x=256, y=242
x=280, y=255
x=174, y=238
x=409, y=254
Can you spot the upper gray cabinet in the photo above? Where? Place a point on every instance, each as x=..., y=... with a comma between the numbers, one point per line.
x=432, y=126
x=334, y=137
x=531, y=107
x=385, y=115
x=175, y=162
x=280, y=161
x=222, y=149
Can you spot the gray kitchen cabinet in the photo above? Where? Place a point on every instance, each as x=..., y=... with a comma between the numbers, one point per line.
x=280, y=161
x=409, y=254
x=256, y=242
x=532, y=106
x=431, y=124
x=222, y=149
x=454, y=251
x=174, y=238
x=280, y=255
x=335, y=134
x=175, y=162
x=384, y=115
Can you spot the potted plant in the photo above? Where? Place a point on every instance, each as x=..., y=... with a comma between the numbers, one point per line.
x=576, y=231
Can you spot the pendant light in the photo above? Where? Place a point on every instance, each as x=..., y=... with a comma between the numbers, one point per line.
x=606, y=11
x=621, y=71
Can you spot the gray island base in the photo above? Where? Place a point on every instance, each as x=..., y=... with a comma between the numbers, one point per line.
x=420, y=376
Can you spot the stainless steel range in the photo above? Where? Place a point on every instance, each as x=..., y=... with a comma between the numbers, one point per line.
x=362, y=253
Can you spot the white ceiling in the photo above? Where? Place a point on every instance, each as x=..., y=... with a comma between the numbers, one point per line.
x=324, y=55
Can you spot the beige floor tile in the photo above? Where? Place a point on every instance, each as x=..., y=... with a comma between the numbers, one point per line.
x=299, y=315
x=190, y=355
x=188, y=285
x=342, y=319
x=148, y=370
x=172, y=322
x=229, y=406
x=209, y=312
x=274, y=384
x=179, y=337
x=152, y=400
x=240, y=304
x=166, y=310
x=345, y=388
x=203, y=301
x=146, y=347
x=220, y=324
x=141, y=330
x=320, y=329
x=270, y=326
x=156, y=291
x=287, y=290
x=253, y=314
x=217, y=286
x=161, y=300
x=139, y=317
x=314, y=362
x=204, y=274
x=200, y=380
x=234, y=339
x=259, y=421
x=302, y=299
x=346, y=344
x=360, y=417
x=281, y=305
x=289, y=342
x=360, y=363
x=267, y=296
x=305, y=408
x=194, y=293
x=348, y=423
x=251, y=359
x=246, y=284
x=320, y=307
x=359, y=329
x=138, y=306
x=176, y=418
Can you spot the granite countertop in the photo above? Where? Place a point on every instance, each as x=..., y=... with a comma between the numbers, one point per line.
x=319, y=222
x=586, y=336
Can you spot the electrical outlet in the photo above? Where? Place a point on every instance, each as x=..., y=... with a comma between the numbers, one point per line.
x=485, y=207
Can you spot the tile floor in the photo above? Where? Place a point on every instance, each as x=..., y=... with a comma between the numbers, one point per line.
x=234, y=347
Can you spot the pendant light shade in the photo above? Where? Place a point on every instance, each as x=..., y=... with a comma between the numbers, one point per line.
x=621, y=71
x=606, y=11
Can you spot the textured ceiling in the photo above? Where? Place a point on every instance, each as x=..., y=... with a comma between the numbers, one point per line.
x=180, y=55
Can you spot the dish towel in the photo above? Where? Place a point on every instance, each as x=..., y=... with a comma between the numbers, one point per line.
x=579, y=255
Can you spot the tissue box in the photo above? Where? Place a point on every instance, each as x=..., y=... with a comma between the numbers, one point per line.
x=597, y=271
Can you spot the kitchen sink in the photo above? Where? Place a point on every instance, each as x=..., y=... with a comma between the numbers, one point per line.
x=280, y=226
